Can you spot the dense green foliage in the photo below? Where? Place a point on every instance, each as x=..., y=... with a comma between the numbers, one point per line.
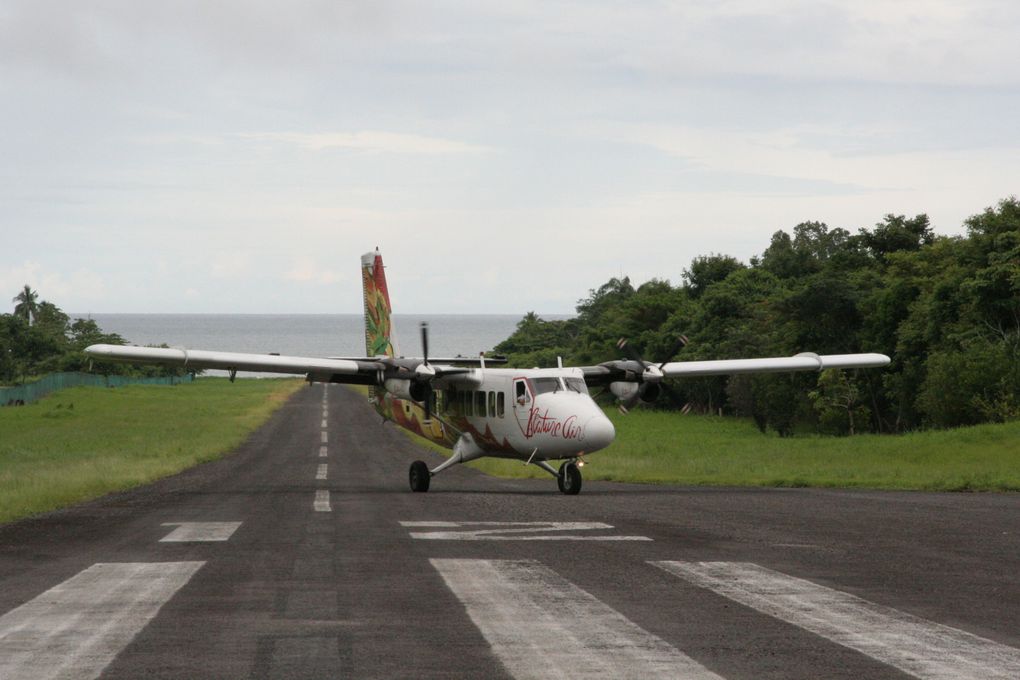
x=946, y=309
x=40, y=338
x=84, y=442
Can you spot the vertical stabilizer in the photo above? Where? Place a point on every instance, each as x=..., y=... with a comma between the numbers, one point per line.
x=378, y=326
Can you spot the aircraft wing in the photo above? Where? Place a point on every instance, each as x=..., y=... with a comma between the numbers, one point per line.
x=337, y=370
x=629, y=370
x=806, y=361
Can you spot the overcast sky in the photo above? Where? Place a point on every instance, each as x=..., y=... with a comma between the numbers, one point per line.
x=199, y=156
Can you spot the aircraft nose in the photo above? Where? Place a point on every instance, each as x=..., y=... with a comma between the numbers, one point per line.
x=599, y=433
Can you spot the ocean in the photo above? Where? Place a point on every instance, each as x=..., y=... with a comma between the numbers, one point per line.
x=312, y=335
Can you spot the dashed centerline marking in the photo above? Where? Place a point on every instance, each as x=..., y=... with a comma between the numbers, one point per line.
x=322, y=452
x=514, y=531
x=324, y=424
x=321, y=503
x=540, y=625
x=321, y=472
x=324, y=437
x=914, y=645
x=187, y=532
x=75, y=629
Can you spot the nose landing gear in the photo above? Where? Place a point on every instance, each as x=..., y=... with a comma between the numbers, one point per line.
x=569, y=478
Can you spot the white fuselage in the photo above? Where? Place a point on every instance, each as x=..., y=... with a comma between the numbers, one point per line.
x=519, y=413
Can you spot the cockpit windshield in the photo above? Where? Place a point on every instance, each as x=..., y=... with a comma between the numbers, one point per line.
x=543, y=385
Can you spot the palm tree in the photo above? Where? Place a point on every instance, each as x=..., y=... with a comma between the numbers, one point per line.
x=26, y=307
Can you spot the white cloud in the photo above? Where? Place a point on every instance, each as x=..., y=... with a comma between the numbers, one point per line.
x=369, y=141
x=64, y=290
x=307, y=270
x=231, y=264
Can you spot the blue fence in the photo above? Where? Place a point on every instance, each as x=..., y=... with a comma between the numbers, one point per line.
x=26, y=394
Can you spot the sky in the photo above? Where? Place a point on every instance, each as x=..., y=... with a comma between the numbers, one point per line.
x=217, y=157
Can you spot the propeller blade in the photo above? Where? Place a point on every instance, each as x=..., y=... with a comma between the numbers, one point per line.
x=681, y=342
x=428, y=405
x=425, y=341
x=631, y=353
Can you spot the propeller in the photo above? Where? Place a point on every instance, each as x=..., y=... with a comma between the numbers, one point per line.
x=651, y=373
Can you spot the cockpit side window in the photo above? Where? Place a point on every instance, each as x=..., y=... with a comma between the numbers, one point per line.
x=521, y=392
x=576, y=385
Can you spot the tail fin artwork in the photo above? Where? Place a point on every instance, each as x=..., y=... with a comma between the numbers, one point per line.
x=378, y=327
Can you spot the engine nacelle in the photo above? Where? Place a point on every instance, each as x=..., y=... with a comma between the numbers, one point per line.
x=630, y=392
x=406, y=389
x=627, y=392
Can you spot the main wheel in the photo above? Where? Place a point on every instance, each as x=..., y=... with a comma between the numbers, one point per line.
x=419, y=476
x=569, y=479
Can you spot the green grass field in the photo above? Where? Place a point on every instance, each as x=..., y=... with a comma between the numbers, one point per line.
x=84, y=442
x=657, y=447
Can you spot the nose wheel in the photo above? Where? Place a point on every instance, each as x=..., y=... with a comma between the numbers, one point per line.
x=569, y=478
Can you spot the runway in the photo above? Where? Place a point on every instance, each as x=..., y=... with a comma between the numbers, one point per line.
x=304, y=554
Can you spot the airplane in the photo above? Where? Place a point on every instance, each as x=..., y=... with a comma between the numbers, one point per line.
x=535, y=415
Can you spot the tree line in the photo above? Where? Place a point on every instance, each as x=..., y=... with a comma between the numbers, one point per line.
x=39, y=338
x=946, y=309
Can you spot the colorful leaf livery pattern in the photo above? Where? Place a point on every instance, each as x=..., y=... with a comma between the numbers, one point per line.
x=378, y=342
x=377, y=307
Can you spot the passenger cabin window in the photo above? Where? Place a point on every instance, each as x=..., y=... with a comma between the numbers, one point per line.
x=480, y=404
x=492, y=404
x=467, y=396
x=500, y=404
x=453, y=402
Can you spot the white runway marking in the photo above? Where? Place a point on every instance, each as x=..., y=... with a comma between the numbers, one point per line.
x=324, y=424
x=199, y=531
x=322, y=452
x=514, y=531
x=321, y=472
x=321, y=503
x=75, y=629
x=542, y=626
x=325, y=414
x=914, y=645
x=325, y=438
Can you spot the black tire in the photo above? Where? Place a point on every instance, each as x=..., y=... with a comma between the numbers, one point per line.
x=419, y=476
x=569, y=479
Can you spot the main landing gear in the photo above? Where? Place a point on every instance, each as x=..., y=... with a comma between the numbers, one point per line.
x=420, y=476
x=568, y=479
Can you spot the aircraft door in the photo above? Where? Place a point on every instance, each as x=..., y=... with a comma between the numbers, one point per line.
x=523, y=399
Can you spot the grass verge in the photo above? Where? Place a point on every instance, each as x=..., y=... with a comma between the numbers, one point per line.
x=657, y=447
x=84, y=442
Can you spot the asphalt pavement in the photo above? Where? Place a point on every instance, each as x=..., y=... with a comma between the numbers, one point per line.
x=304, y=554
